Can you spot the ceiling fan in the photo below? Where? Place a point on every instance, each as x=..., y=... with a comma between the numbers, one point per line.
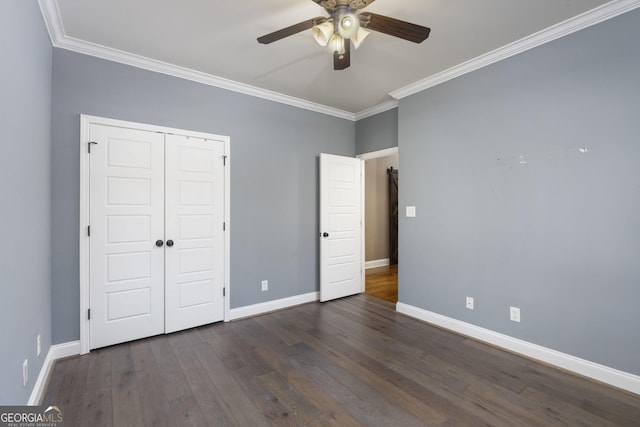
x=345, y=25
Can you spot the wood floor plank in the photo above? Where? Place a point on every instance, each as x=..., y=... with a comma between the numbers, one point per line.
x=70, y=388
x=74, y=400
x=439, y=386
x=271, y=384
x=231, y=394
x=272, y=324
x=600, y=399
x=127, y=409
x=560, y=412
x=155, y=406
x=264, y=340
x=312, y=385
x=53, y=385
x=300, y=411
x=209, y=397
x=278, y=354
x=506, y=371
x=204, y=394
x=509, y=366
x=175, y=361
x=246, y=370
x=234, y=352
x=350, y=362
x=447, y=348
x=97, y=406
x=365, y=400
x=70, y=379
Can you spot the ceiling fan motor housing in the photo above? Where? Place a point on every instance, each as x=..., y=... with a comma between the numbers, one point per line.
x=330, y=5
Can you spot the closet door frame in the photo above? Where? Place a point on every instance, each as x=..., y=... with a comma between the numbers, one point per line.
x=84, y=261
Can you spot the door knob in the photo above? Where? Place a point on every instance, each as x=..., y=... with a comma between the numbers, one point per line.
x=325, y=234
x=169, y=243
x=159, y=243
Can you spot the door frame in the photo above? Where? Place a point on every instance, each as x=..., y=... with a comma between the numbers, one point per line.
x=84, y=261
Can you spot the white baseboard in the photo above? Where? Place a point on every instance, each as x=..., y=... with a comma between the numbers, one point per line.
x=377, y=263
x=605, y=374
x=55, y=352
x=265, y=307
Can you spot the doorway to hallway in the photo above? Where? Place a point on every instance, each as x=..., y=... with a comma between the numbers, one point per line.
x=381, y=224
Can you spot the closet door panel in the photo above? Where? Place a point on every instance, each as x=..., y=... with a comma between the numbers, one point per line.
x=194, y=215
x=127, y=217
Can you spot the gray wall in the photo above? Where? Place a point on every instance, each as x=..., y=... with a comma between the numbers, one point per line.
x=25, y=109
x=559, y=236
x=274, y=173
x=377, y=132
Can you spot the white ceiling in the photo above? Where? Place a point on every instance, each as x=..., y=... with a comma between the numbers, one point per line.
x=218, y=38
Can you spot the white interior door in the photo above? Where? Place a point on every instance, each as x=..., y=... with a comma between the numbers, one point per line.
x=127, y=218
x=341, y=252
x=194, y=253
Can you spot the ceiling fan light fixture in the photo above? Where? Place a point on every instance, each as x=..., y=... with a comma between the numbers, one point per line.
x=359, y=37
x=336, y=44
x=322, y=33
x=348, y=24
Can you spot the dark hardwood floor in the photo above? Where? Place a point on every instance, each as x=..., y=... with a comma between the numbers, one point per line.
x=353, y=361
x=382, y=282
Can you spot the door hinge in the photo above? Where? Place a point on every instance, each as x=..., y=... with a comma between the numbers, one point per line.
x=90, y=144
x=224, y=292
x=224, y=226
x=224, y=160
x=89, y=314
x=89, y=230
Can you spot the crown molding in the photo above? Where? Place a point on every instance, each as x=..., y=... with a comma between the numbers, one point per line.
x=377, y=109
x=577, y=23
x=59, y=39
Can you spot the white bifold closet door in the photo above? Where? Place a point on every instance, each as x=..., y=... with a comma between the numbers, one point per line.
x=156, y=243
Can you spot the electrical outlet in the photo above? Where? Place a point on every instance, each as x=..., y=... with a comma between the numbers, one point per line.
x=38, y=347
x=265, y=285
x=470, y=303
x=25, y=372
x=514, y=313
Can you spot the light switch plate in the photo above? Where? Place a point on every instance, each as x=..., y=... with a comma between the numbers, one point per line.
x=411, y=211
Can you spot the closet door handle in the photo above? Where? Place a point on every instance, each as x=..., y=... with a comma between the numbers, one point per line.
x=159, y=243
x=169, y=243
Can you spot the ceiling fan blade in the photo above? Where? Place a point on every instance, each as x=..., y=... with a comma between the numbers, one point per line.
x=289, y=31
x=394, y=27
x=342, y=61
